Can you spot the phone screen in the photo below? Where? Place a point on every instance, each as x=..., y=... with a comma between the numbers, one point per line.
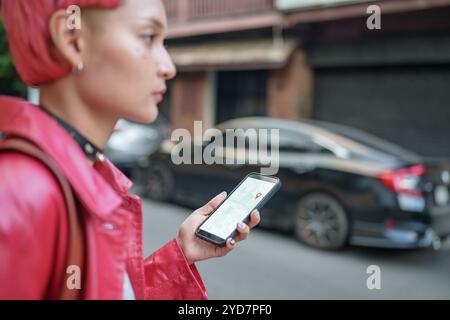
x=237, y=207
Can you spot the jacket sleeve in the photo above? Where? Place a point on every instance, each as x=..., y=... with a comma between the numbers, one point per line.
x=29, y=200
x=168, y=276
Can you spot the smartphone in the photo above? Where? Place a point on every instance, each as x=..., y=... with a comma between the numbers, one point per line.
x=252, y=193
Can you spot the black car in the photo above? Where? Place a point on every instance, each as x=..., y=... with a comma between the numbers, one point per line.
x=340, y=186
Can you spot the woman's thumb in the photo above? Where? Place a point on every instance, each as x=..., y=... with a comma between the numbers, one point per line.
x=213, y=204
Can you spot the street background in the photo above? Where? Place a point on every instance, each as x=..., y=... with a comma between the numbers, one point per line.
x=271, y=265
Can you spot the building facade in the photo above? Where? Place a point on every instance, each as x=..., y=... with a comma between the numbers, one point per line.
x=301, y=59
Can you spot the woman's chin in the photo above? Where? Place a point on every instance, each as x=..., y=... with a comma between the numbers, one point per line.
x=152, y=116
x=149, y=115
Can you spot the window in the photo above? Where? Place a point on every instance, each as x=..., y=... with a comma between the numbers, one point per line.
x=241, y=94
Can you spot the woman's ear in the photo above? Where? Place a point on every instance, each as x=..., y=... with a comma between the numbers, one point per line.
x=67, y=41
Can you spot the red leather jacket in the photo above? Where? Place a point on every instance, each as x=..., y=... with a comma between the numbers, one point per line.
x=33, y=229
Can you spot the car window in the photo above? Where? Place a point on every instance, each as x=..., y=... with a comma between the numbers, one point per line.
x=368, y=140
x=291, y=141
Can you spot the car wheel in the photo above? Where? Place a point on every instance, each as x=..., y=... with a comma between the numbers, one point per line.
x=159, y=182
x=321, y=222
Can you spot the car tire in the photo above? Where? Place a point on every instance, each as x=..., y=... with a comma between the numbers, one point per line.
x=158, y=182
x=321, y=222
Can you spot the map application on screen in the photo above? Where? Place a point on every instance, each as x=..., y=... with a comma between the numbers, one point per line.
x=237, y=207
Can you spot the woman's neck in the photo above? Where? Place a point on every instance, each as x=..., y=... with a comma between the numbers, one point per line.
x=96, y=126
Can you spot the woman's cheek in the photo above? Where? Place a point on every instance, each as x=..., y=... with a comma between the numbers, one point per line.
x=138, y=63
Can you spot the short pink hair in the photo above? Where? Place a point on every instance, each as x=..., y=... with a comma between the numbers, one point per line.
x=26, y=22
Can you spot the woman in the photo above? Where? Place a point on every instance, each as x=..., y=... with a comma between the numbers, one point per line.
x=115, y=66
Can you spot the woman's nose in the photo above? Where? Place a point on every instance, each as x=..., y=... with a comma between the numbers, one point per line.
x=167, y=69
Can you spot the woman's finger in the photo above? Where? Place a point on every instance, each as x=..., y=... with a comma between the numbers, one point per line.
x=231, y=244
x=244, y=231
x=213, y=204
x=221, y=252
x=255, y=219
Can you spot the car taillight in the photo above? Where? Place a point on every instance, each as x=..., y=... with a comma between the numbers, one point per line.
x=405, y=180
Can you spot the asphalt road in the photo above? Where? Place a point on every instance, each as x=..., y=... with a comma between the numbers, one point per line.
x=270, y=265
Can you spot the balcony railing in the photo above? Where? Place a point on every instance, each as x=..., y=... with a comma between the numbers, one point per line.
x=183, y=11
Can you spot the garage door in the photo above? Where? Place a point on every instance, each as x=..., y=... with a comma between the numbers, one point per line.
x=407, y=105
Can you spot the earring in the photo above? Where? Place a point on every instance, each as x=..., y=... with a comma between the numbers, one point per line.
x=78, y=68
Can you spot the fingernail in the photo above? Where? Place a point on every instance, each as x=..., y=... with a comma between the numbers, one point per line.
x=223, y=194
x=241, y=225
x=257, y=215
x=232, y=242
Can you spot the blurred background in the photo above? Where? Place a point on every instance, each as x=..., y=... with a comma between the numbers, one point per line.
x=363, y=116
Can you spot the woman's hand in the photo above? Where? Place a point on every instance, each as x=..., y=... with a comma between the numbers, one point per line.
x=196, y=249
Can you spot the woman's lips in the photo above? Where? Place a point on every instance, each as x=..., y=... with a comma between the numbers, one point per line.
x=159, y=96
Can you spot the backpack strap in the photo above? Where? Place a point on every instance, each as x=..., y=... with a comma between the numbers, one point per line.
x=75, y=255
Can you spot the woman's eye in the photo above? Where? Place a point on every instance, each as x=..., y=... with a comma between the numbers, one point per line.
x=148, y=38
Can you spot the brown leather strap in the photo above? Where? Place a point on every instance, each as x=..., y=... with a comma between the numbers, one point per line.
x=76, y=248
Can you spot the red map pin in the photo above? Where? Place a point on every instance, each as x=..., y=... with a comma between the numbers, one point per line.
x=258, y=195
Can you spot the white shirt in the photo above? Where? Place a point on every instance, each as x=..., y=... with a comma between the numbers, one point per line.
x=128, y=292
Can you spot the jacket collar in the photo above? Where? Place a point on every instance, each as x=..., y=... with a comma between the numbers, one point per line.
x=98, y=189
